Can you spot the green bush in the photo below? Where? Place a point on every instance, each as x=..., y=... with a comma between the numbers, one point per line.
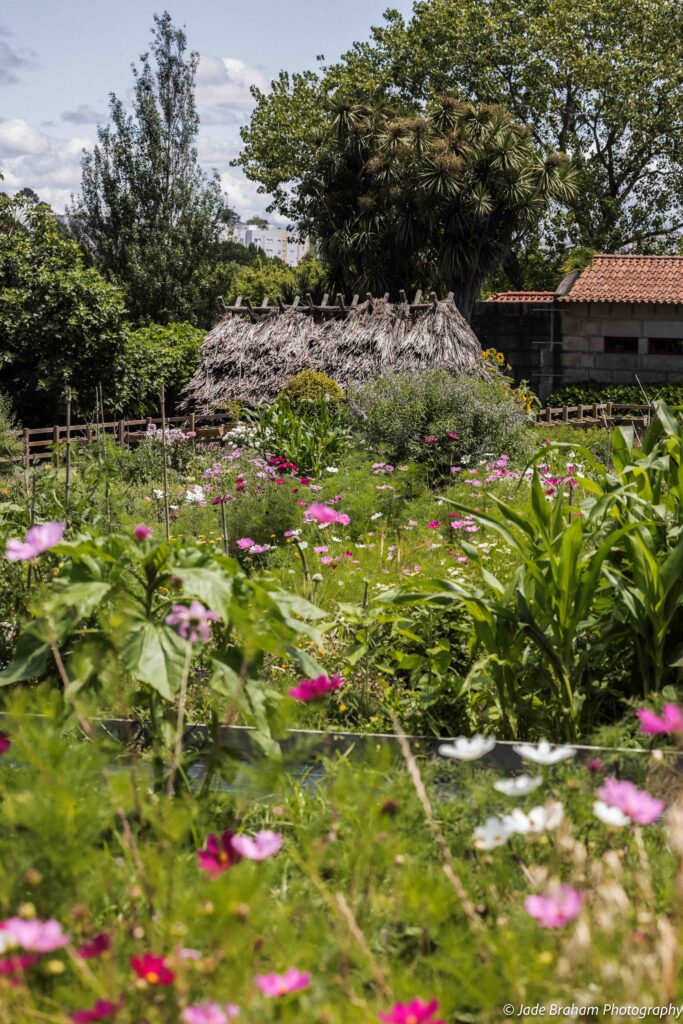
x=10, y=445
x=587, y=392
x=395, y=412
x=311, y=386
x=156, y=355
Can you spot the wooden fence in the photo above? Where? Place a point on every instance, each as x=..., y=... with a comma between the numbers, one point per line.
x=596, y=415
x=41, y=443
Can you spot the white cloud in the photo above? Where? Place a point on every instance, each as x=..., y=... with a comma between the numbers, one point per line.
x=19, y=138
x=223, y=85
x=84, y=114
x=49, y=165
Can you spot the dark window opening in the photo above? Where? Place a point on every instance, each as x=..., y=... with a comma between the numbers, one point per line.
x=617, y=344
x=665, y=346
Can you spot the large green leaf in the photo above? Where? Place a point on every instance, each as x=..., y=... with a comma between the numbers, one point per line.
x=155, y=655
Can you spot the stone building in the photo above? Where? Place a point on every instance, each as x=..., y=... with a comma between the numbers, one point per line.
x=619, y=321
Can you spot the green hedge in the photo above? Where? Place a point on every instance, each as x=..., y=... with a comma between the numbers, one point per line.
x=153, y=355
x=595, y=391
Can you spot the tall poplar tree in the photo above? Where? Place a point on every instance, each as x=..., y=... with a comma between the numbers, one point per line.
x=150, y=217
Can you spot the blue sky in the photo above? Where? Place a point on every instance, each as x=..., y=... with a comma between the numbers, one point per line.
x=59, y=62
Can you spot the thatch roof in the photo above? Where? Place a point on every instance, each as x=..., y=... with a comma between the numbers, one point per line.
x=252, y=358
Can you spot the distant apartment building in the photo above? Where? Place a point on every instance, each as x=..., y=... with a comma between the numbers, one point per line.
x=272, y=240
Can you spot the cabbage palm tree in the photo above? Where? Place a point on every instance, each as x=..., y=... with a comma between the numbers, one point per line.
x=434, y=199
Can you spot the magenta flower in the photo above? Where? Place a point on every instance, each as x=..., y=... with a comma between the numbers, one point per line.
x=275, y=985
x=18, y=964
x=638, y=804
x=244, y=543
x=95, y=947
x=555, y=909
x=102, y=1010
x=434, y=524
x=141, y=531
x=311, y=689
x=152, y=969
x=414, y=1012
x=325, y=514
x=192, y=622
x=219, y=855
x=38, y=539
x=263, y=845
x=5, y=743
x=670, y=722
x=210, y=1013
x=36, y=936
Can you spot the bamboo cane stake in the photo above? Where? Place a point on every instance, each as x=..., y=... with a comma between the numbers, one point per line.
x=162, y=403
x=67, y=478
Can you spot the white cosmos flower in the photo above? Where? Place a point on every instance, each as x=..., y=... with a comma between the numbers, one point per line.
x=376, y=515
x=468, y=749
x=491, y=834
x=519, y=786
x=543, y=752
x=610, y=815
x=331, y=469
x=539, y=819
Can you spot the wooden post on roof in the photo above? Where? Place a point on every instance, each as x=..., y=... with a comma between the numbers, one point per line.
x=264, y=303
x=451, y=296
x=280, y=304
x=221, y=303
x=418, y=296
x=340, y=302
x=403, y=297
x=433, y=299
x=354, y=300
x=309, y=300
x=297, y=300
x=250, y=308
x=370, y=302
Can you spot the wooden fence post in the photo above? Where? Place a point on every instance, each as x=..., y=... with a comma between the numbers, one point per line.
x=67, y=478
x=121, y=431
x=55, y=442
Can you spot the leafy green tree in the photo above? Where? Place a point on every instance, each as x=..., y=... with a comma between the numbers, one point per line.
x=434, y=199
x=61, y=323
x=271, y=278
x=152, y=220
x=151, y=356
x=600, y=81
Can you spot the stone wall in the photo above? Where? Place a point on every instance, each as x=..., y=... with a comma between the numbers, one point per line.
x=529, y=334
x=586, y=325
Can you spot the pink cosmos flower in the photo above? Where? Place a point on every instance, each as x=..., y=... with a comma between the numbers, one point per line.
x=671, y=720
x=210, y=1013
x=263, y=845
x=38, y=539
x=414, y=1012
x=102, y=1010
x=275, y=985
x=638, y=804
x=555, y=909
x=5, y=743
x=36, y=936
x=152, y=969
x=259, y=549
x=245, y=542
x=325, y=514
x=322, y=549
x=311, y=689
x=95, y=947
x=434, y=525
x=219, y=855
x=192, y=622
x=141, y=531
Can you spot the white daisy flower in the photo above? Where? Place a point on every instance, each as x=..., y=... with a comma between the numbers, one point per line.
x=544, y=752
x=610, y=815
x=521, y=785
x=491, y=834
x=468, y=749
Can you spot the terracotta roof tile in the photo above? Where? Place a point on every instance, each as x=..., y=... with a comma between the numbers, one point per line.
x=521, y=297
x=629, y=279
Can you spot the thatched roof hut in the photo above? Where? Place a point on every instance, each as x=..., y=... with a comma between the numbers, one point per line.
x=252, y=352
